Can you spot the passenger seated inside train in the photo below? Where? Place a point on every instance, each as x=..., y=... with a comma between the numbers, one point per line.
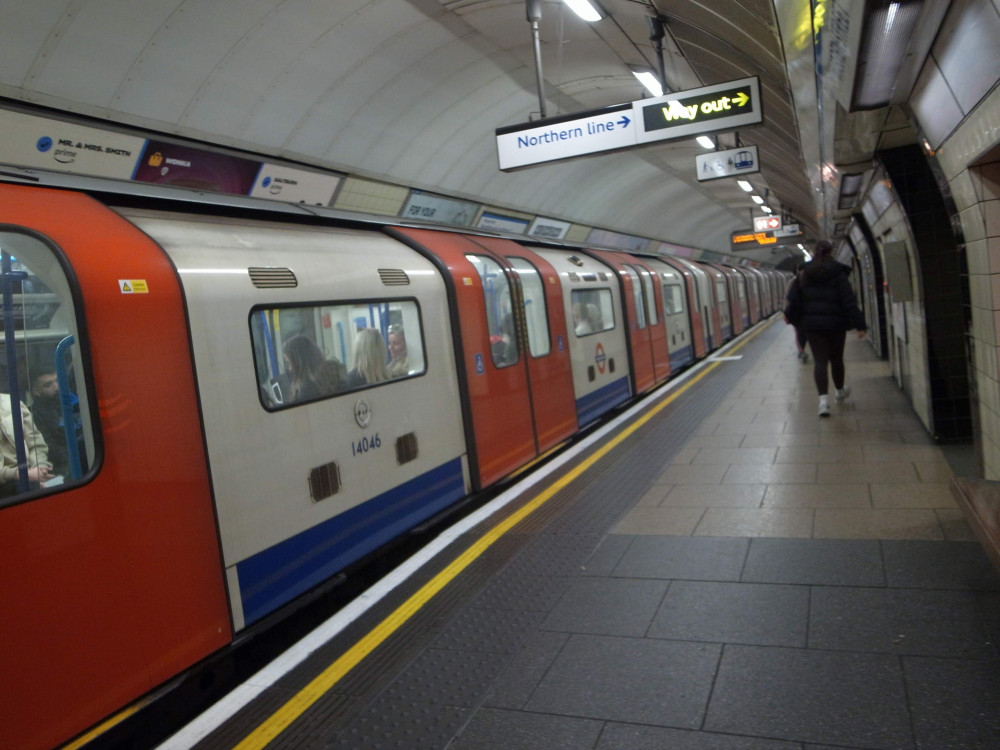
x=369, y=359
x=39, y=470
x=311, y=375
x=398, y=362
x=48, y=415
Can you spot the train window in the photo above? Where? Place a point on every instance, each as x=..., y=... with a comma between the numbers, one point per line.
x=593, y=311
x=647, y=292
x=307, y=353
x=46, y=424
x=499, y=311
x=535, y=313
x=640, y=305
x=673, y=299
x=720, y=290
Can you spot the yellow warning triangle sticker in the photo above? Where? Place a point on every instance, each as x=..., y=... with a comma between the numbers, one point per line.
x=126, y=287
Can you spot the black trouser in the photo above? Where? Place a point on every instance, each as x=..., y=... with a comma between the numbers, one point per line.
x=800, y=338
x=827, y=349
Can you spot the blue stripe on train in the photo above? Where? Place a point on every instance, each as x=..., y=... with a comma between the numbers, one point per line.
x=681, y=357
x=277, y=575
x=593, y=405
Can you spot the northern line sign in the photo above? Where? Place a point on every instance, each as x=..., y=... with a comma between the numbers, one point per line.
x=678, y=115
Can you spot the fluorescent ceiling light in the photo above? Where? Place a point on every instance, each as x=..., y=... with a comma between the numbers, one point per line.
x=766, y=209
x=757, y=199
x=746, y=186
x=705, y=141
x=649, y=82
x=885, y=40
x=585, y=9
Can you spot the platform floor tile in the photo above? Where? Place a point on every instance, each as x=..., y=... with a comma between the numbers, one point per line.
x=738, y=575
x=852, y=699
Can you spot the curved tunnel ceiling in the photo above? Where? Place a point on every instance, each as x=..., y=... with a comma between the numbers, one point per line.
x=411, y=92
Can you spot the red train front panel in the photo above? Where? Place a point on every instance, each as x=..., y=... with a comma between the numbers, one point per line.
x=111, y=574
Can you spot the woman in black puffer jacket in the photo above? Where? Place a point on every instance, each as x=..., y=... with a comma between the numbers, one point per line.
x=821, y=301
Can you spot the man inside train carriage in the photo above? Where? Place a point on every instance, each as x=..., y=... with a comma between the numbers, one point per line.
x=47, y=411
x=398, y=363
x=36, y=451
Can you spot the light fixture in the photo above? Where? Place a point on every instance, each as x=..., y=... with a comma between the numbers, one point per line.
x=766, y=209
x=588, y=10
x=648, y=80
x=757, y=199
x=706, y=141
x=746, y=186
x=850, y=185
x=885, y=40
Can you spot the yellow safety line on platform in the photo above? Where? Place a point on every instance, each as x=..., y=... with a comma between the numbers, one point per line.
x=281, y=719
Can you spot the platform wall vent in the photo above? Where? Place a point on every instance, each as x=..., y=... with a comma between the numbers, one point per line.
x=394, y=277
x=272, y=278
x=324, y=481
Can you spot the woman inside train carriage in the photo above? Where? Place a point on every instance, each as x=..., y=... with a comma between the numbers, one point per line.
x=369, y=359
x=312, y=375
x=399, y=363
x=36, y=451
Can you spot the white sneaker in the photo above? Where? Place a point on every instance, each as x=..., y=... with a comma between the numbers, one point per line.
x=824, y=406
x=843, y=393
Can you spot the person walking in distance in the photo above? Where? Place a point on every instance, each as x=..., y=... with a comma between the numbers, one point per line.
x=821, y=301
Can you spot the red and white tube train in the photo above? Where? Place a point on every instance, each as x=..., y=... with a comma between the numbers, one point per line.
x=248, y=405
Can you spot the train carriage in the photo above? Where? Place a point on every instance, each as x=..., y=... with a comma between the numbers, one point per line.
x=597, y=332
x=330, y=459
x=252, y=405
x=676, y=313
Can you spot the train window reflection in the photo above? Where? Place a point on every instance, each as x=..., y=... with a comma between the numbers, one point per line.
x=673, y=299
x=535, y=313
x=504, y=348
x=593, y=311
x=46, y=425
x=310, y=352
x=638, y=296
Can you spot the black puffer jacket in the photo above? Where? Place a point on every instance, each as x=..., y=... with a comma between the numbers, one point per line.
x=821, y=299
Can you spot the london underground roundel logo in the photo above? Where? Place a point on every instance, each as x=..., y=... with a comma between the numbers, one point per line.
x=600, y=358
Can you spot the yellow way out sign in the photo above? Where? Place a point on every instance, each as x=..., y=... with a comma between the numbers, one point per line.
x=724, y=106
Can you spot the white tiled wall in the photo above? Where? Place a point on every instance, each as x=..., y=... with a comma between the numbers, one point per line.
x=976, y=191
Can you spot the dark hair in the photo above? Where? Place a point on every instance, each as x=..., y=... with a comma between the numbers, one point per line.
x=824, y=248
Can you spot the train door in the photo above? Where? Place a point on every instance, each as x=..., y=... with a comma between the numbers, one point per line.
x=496, y=400
x=697, y=323
x=541, y=330
x=753, y=281
x=111, y=575
x=676, y=320
x=647, y=341
x=736, y=289
x=723, y=301
x=707, y=305
x=747, y=299
x=653, y=295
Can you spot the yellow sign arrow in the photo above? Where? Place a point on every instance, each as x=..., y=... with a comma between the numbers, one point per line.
x=741, y=99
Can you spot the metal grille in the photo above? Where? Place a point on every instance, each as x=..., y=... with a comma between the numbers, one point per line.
x=324, y=481
x=394, y=277
x=272, y=278
x=406, y=447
